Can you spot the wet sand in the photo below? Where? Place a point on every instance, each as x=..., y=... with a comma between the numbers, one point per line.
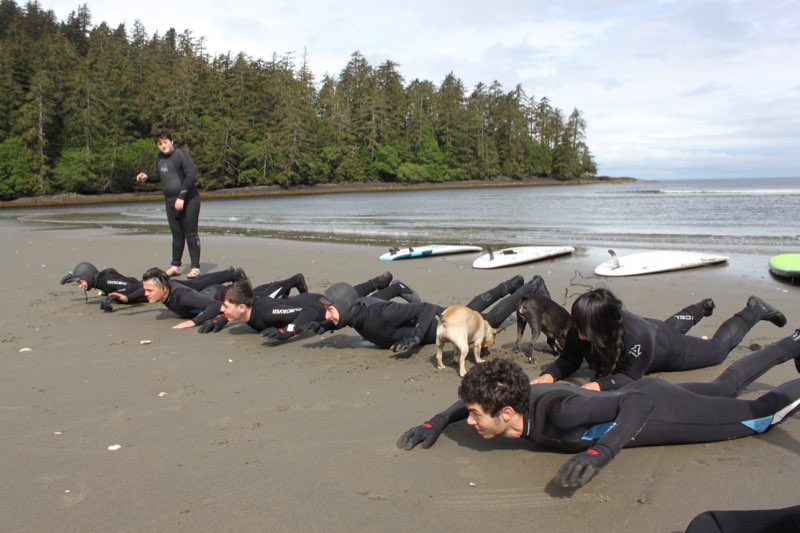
x=227, y=433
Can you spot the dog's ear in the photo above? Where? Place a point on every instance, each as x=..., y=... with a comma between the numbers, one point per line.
x=438, y=318
x=498, y=330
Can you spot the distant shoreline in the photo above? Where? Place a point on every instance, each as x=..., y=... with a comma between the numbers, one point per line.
x=328, y=188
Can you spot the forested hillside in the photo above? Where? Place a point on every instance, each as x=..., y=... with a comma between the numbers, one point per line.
x=79, y=102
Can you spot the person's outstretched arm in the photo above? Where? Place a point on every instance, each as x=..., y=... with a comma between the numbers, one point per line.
x=629, y=412
x=428, y=432
x=565, y=364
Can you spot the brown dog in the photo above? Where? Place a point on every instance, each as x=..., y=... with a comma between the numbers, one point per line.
x=463, y=327
x=543, y=315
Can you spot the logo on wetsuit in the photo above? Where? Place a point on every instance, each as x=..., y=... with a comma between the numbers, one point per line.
x=684, y=317
x=164, y=167
x=635, y=350
x=598, y=430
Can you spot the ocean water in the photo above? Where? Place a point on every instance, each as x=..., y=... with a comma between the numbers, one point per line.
x=725, y=216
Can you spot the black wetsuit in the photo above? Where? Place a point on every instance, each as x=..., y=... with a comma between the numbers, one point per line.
x=195, y=305
x=280, y=288
x=177, y=174
x=651, y=411
x=289, y=313
x=655, y=346
x=385, y=323
x=199, y=298
x=751, y=521
x=280, y=313
x=109, y=280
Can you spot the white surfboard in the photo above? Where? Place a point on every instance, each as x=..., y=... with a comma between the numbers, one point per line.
x=519, y=255
x=655, y=261
x=425, y=251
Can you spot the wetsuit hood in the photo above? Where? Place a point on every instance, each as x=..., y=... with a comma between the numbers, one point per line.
x=344, y=298
x=82, y=270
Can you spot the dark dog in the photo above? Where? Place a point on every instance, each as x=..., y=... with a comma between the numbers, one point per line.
x=544, y=316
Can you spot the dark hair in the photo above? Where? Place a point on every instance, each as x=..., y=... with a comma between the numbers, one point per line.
x=238, y=293
x=598, y=316
x=162, y=133
x=157, y=276
x=496, y=384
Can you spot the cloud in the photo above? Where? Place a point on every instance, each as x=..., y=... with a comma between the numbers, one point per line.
x=668, y=87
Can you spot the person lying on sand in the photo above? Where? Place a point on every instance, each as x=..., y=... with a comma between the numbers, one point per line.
x=402, y=327
x=621, y=347
x=119, y=288
x=197, y=305
x=284, y=318
x=747, y=521
x=497, y=399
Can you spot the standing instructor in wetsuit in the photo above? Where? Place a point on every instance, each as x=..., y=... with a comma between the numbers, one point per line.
x=175, y=171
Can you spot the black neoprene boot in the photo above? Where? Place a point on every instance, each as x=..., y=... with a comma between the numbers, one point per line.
x=382, y=281
x=538, y=286
x=407, y=293
x=513, y=284
x=301, y=285
x=239, y=274
x=767, y=312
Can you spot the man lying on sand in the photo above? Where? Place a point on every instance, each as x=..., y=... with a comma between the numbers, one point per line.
x=284, y=318
x=402, y=327
x=496, y=398
x=119, y=288
x=749, y=521
x=198, y=306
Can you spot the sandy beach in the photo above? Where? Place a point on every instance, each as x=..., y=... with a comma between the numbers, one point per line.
x=226, y=433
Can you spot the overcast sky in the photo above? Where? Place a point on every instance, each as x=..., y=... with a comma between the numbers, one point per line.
x=669, y=89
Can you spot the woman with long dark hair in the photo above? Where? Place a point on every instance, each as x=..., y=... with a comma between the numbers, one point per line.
x=622, y=347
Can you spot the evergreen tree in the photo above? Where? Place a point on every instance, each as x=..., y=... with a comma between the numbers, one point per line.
x=569, y=152
x=16, y=169
x=450, y=125
x=357, y=136
x=79, y=103
x=485, y=161
x=76, y=29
